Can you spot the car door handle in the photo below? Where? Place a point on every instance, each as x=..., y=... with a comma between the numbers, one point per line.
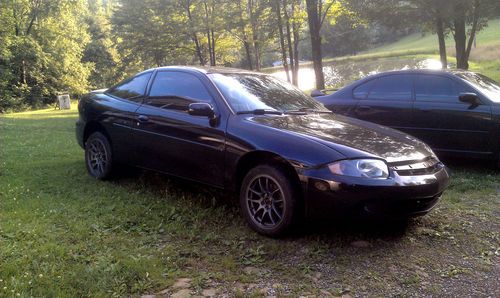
x=143, y=118
x=363, y=108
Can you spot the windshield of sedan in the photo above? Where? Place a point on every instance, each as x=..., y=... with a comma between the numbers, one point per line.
x=487, y=86
x=249, y=92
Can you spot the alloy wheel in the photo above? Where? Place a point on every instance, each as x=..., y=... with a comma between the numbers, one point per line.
x=97, y=157
x=265, y=201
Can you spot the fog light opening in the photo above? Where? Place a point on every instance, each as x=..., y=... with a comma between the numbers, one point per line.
x=320, y=185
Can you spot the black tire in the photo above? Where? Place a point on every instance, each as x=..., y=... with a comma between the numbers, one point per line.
x=98, y=156
x=276, y=204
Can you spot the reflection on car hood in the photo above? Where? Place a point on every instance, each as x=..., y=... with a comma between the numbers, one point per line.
x=343, y=133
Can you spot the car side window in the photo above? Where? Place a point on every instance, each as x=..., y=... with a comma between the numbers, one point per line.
x=437, y=89
x=392, y=87
x=176, y=90
x=132, y=89
x=361, y=92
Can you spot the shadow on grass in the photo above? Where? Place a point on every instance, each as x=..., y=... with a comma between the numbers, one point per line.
x=205, y=196
x=325, y=229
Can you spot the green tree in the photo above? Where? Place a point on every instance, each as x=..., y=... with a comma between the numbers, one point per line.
x=42, y=47
x=101, y=50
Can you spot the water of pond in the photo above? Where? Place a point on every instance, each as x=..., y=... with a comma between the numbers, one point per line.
x=340, y=73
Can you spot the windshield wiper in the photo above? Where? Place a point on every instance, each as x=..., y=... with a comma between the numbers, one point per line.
x=260, y=112
x=308, y=110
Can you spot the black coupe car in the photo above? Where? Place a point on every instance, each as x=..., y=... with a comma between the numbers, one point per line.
x=284, y=153
x=454, y=112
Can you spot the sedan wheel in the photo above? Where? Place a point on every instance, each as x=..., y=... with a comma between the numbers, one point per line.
x=98, y=157
x=268, y=200
x=265, y=201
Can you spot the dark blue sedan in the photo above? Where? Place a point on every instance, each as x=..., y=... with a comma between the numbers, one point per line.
x=454, y=112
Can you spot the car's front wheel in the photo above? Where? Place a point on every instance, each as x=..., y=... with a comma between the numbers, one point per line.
x=269, y=200
x=98, y=156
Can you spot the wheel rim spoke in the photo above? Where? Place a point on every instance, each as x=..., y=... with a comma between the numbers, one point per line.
x=97, y=157
x=270, y=215
x=255, y=192
x=266, y=207
x=260, y=185
x=275, y=212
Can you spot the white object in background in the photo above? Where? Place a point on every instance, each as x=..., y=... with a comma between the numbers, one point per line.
x=64, y=103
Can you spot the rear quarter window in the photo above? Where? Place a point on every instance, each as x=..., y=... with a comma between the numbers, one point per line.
x=131, y=89
x=361, y=91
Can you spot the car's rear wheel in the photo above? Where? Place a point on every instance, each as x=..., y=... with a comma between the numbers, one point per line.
x=98, y=156
x=269, y=200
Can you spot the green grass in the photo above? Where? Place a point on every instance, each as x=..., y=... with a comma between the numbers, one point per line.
x=428, y=42
x=63, y=233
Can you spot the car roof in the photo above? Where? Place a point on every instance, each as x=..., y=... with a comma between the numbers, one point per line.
x=420, y=71
x=204, y=69
x=348, y=88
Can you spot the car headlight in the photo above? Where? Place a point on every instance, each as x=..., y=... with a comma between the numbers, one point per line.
x=364, y=168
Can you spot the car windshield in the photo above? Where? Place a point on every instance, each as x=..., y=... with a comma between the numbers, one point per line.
x=487, y=86
x=250, y=92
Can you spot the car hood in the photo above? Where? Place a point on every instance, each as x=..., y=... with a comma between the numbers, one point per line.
x=351, y=137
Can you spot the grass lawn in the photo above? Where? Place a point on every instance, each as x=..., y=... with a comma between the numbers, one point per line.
x=428, y=42
x=63, y=233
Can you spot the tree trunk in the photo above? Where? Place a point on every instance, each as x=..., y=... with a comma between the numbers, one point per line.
x=255, y=38
x=289, y=40
x=313, y=19
x=282, y=39
x=296, y=39
x=442, y=42
x=213, y=48
x=246, y=44
x=208, y=30
x=194, y=36
x=460, y=42
x=209, y=40
x=14, y=14
x=473, y=30
x=198, y=50
x=23, y=72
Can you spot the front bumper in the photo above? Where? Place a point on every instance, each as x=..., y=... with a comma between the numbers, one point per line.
x=400, y=196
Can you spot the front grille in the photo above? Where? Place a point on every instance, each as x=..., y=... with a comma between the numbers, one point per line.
x=429, y=165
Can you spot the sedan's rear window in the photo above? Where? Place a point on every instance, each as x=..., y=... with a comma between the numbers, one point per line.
x=393, y=87
x=131, y=89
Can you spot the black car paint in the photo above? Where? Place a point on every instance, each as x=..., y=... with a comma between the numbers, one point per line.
x=212, y=151
x=449, y=128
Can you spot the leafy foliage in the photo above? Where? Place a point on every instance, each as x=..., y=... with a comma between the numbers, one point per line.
x=42, y=52
x=52, y=46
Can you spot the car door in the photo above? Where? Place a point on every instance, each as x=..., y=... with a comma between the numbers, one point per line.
x=119, y=116
x=385, y=100
x=172, y=140
x=446, y=123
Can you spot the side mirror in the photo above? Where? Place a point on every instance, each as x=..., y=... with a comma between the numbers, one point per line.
x=201, y=109
x=316, y=93
x=470, y=98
